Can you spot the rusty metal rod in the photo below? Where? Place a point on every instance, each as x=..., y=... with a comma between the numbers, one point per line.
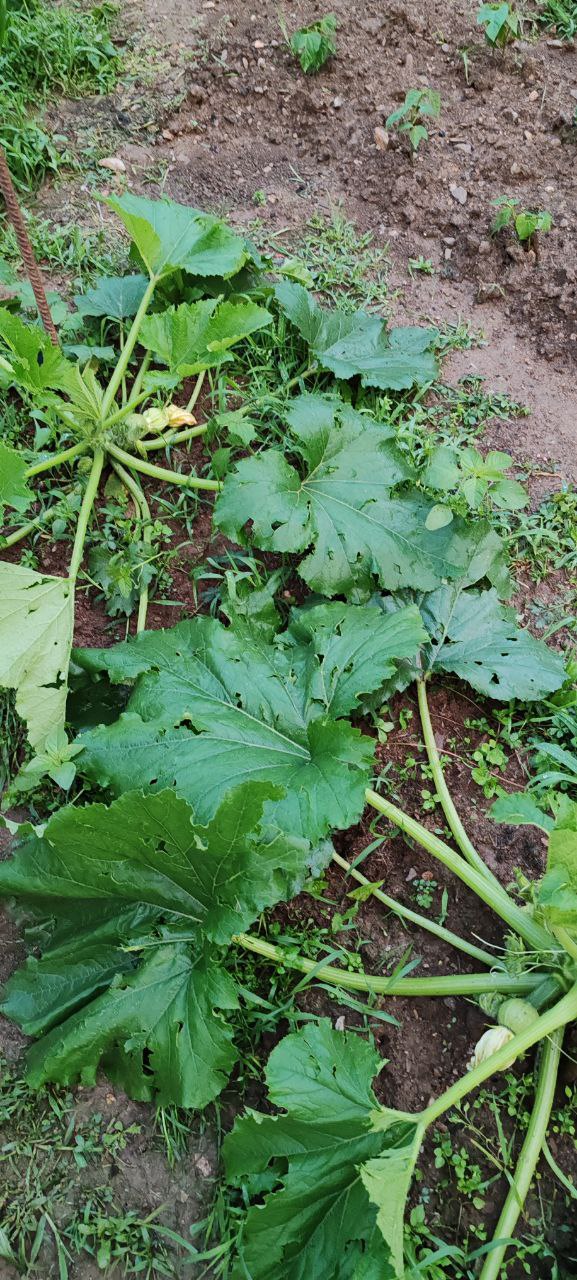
x=32, y=269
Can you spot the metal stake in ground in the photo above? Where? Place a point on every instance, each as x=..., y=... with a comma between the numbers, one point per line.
x=32, y=269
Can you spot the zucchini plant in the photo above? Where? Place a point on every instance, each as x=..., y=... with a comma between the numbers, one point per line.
x=230, y=753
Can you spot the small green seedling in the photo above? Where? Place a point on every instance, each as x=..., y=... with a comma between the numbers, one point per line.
x=481, y=482
x=526, y=222
x=56, y=761
x=421, y=264
x=418, y=104
x=501, y=24
x=314, y=45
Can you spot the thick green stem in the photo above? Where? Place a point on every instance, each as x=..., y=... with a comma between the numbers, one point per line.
x=84, y=514
x=176, y=437
x=144, y=512
x=558, y=1016
x=134, y=390
x=460, y=835
x=567, y=942
x=458, y=984
x=161, y=473
x=124, y=411
x=414, y=917
x=12, y=538
x=492, y=894
x=129, y=345
x=196, y=391
x=528, y=1156
x=56, y=459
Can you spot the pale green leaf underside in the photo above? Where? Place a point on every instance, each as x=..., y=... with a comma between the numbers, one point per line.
x=36, y=623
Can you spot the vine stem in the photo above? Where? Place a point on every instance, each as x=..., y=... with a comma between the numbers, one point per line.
x=492, y=894
x=129, y=345
x=196, y=391
x=528, y=1156
x=458, y=984
x=84, y=514
x=144, y=512
x=460, y=835
x=179, y=437
x=566, y=941
x=56, y=459
x=162, y=473
x=553, y=1020
x=12, y=538
x=124, y=410
x=415, y=918
x=134, y=390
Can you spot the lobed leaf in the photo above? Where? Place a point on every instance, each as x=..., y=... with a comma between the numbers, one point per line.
x=342, y=509
x=359, y=344
x=170, y=236
x=116, y=297
x=143, y=897
x=213, y=705
x=339, y=1164
x=197, y=336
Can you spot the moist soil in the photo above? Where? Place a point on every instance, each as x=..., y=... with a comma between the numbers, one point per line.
x=221, y=112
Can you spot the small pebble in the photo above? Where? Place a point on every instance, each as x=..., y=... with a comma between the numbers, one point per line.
x=458, y=193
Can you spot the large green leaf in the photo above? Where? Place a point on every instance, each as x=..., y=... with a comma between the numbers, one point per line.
x=341, y=509
x=197, y=336
x=338, y=1164
x=171, y=236
x=212, y=706
x=143, y=898
x=36, y=622
x=477, y=638
x=14, y=491
x=359, y=343
x=117, y=297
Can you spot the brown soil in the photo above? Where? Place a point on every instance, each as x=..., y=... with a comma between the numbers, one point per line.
x=248, y=120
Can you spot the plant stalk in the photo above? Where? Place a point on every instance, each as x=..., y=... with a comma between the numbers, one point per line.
x=129, y=345
x=459, y=834
x=84, y=514
x=458, y=984
x=178, y=437
x=12, y=538
x=552, y=1020
x=162, y=473
x=144, y=513
x=196, y=391
x=528, y=1156
x=135, y=389
x=57, y=459
x=423, y=922
x=492, y=894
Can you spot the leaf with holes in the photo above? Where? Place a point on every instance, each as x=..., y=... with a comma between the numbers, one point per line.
x=359, y=343
x=338, y=1165
x=144, y=900
x=212, y=706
